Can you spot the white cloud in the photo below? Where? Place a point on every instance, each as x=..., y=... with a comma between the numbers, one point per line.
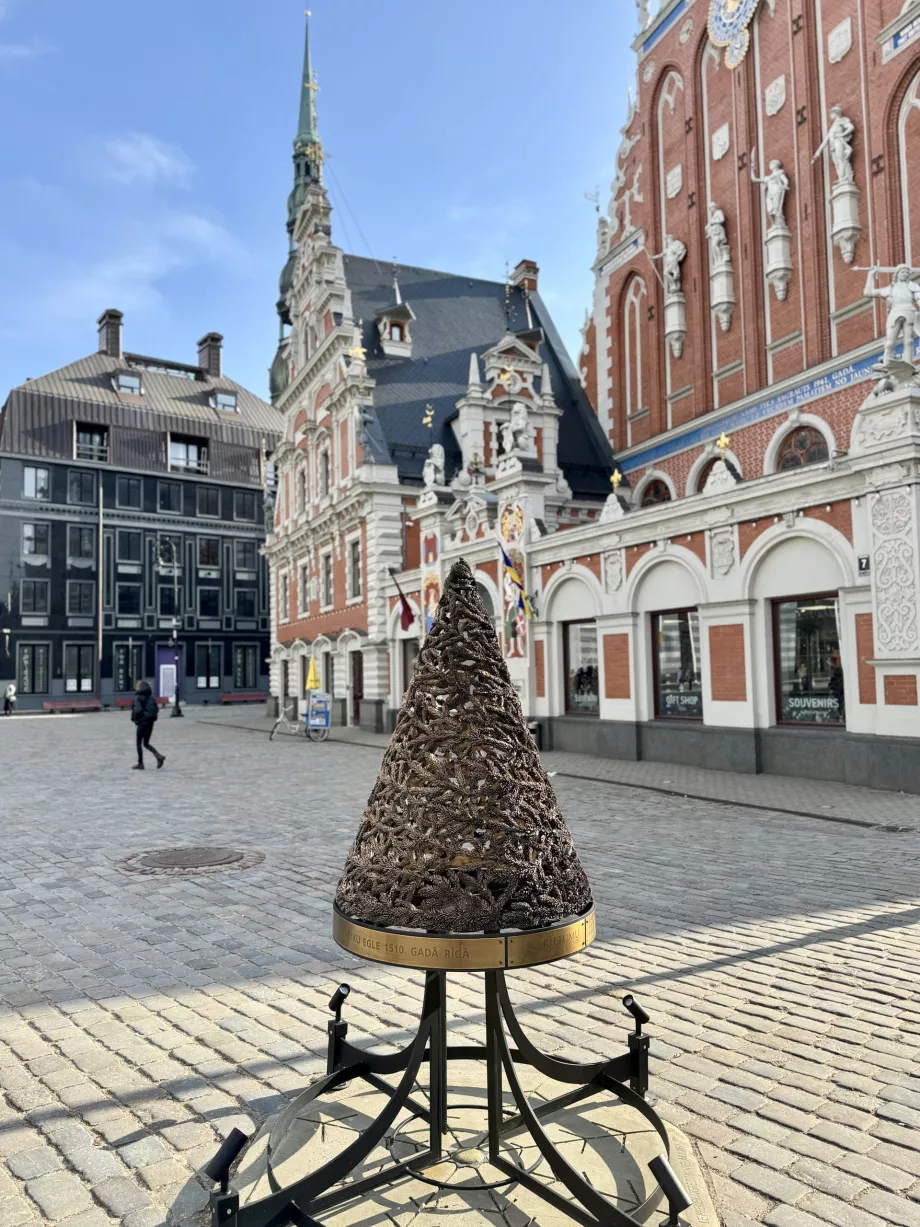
x=23, y=51
x=131, y=279
x=137, y=157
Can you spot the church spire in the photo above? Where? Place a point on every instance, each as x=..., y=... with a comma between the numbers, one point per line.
x=306, y=129
x=308, y=150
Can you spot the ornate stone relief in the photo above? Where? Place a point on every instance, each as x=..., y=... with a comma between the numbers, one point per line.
x=685, y=31
x=614, y=570
x=648, y=71
x=722, y=551
x=774, y=96
x=721, y=140
x=720, y=478
x=674, y=181
x=840, y=40
x=894, y=571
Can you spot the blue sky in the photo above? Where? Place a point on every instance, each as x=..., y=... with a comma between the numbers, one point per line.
x=148, y=164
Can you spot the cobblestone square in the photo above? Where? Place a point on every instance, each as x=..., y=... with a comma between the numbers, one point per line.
x=143, y=1017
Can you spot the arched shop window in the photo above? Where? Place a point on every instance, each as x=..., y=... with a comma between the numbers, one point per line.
x=677, y=665
x=656, y=492
x=804, y=445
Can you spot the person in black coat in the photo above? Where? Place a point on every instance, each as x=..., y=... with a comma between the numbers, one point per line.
x=144, y=714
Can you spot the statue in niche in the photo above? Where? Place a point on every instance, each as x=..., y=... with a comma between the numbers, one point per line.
x=719, y=250
x=515, y=434
x=839, y=142
x=777, y=185
x=902, y=298
x=671, y=256
x=433, y=469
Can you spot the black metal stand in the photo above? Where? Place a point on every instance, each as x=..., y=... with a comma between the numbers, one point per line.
x=626, y=1077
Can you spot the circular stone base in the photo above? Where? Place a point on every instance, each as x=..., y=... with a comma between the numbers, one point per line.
x=607, y=1141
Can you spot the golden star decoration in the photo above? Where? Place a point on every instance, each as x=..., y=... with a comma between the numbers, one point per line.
x=428, y=418
x=615, y=478
x=723, y=443
x=506, y=375
x=358, y=352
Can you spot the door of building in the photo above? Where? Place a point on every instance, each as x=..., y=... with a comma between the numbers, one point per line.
x=357, y=686
x=166, y=673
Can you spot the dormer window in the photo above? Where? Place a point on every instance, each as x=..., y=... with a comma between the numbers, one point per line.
x=396, y=332
x=226, y=401
x=125, y=382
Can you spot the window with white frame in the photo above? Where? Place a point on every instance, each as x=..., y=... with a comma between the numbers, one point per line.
x=324, y=472
x=301, y=498
x=284, y=597
x=303, y=587
x=326, y=584
x=355, y=584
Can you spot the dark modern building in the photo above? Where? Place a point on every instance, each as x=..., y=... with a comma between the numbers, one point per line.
x=156, y=468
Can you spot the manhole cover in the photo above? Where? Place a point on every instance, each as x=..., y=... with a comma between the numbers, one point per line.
x=190, y=858
x=186, y=862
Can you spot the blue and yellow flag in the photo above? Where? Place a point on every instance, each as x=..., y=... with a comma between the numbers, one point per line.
x=523, y=599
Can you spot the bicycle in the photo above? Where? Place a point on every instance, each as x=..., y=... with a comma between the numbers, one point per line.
x=290, y=723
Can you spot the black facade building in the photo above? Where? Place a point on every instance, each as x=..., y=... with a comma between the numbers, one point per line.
x=157, y=470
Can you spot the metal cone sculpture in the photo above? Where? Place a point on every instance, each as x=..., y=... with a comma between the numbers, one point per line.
x=462, y=832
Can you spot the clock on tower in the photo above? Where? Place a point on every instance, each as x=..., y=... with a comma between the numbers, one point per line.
x=728, y=27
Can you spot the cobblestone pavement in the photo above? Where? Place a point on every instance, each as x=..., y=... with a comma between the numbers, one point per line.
x=142, y=1017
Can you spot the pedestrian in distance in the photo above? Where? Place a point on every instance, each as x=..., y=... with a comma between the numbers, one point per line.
x=144, y=714
x=9, y=699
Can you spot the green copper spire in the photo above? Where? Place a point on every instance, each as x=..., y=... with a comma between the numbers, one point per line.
x=306, y=129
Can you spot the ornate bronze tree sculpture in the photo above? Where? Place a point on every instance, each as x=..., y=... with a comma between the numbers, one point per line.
x=462, y=862
x=462, y=832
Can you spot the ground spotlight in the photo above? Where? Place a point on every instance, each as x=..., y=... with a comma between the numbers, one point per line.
x=219, y=1167
x=337, y=1000
x=641, y=1016
x=677, y=1195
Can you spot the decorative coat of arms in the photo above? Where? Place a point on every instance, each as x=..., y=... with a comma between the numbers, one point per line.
x=728, y=27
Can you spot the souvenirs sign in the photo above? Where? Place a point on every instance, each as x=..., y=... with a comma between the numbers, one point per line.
x=728, y=27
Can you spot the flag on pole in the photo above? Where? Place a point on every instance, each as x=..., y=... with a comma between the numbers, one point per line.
x=517, y=580
x=312, y=675
x=406, y=616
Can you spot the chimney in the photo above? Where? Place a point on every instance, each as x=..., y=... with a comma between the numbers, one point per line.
x=110, y=333
x=209, y=348
x=525, y=275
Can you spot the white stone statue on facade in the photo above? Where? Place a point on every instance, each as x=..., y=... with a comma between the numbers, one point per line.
x=778, y=239
x=433, y=469
x=515, y=434
x=671, y=256
x=719, y=251
x=721, y=274
x=838, y=141
x=902, y=298
x=777, y=185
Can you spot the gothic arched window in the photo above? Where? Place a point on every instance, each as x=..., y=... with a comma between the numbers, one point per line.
x=633, y=329
x=656, y=492
x=804, y=445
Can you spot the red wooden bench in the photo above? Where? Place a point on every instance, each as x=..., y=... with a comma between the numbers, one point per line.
x=56, y=705
x=242, y=696
x=126, y=702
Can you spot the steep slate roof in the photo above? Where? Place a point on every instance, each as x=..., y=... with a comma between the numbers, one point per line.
x=455, y=317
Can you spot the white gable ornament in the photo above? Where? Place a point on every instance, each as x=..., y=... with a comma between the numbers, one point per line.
x=674, y=181
x=774, y=96
x=721, y=140
x=840, y=40
x=685, y=31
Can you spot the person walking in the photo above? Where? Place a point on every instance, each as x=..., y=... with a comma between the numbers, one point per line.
x=9, y=699
x=144, y=714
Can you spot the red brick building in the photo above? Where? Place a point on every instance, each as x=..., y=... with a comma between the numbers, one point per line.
x=771, y=152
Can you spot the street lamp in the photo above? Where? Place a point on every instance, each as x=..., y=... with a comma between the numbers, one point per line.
x=177, y=707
